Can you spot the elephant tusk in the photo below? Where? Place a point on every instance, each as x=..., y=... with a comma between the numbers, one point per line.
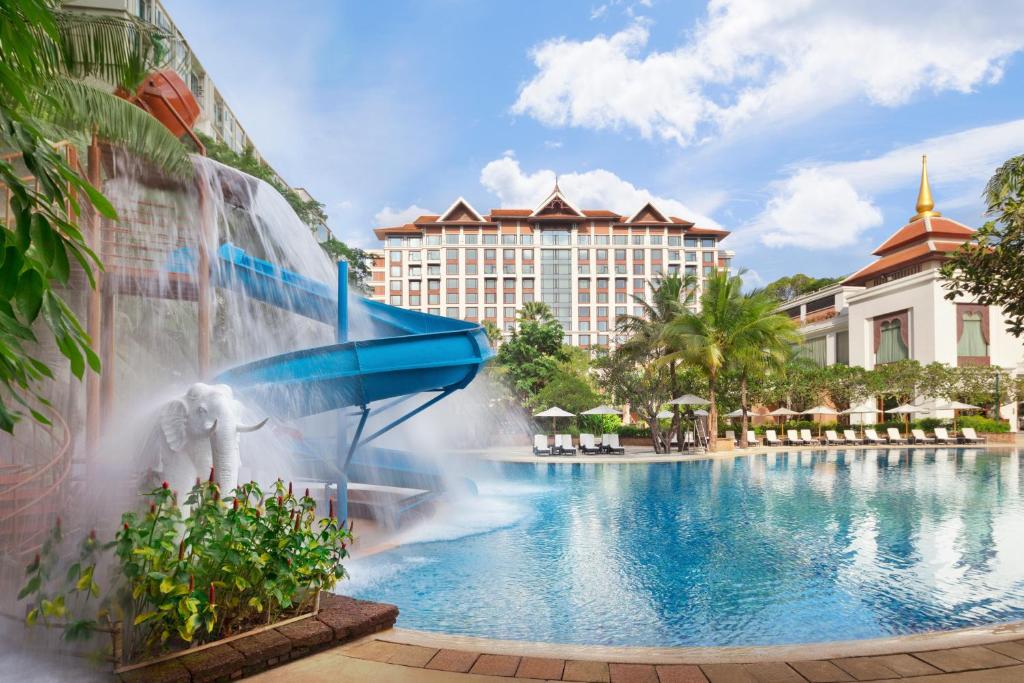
x=252, y=428
x=212, y=429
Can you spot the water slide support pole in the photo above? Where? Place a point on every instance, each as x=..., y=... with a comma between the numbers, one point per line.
x=344, y=457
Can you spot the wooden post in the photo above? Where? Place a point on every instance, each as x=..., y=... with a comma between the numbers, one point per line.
x=107, y=337
x=203, y=288
x=93, y=415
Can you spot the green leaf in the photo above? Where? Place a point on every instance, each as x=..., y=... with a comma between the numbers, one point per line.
x=144, y=617
x=167, y=585
x=32, y=616
x=31, y=587
x=29, y=295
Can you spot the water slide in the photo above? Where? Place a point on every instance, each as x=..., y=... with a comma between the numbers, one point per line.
x=415, y=361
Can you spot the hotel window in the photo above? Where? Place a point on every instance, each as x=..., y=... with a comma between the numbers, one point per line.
x=555, y=238
x=691, y=257
x=527, y=283
x=602, y=254
x=490, y=269
x=638, y=269
x=691, y=271
x=451, y=238
x=690, y=242
x=602, y=340
x=414, y=286
x=434, y=311
x=472, y=312
x=509, y=283
x=638, y=254
x=471, y=269
x=583, y=297
x=972, y=341
x=527, y=297
x=508, y=269
x=602, y=325
x=620, y=254
x=583, y=313
x=708, y=243
x=815, y=350
x=620, y=269
x=415, y=242
x=709, y=257
x=452, y=298
x=638, y=284
x=601, y=239
x=510, y=312
x=708, y=270
x=602, y=297
x=396, y=271
x=396, y=299
x=396, y=285
x=414, y=256
x=490, y=254
x=452, y=269
x=433, y=254
x=471, y=283
x=452, y=312
x=451, y=254
x=471, y=239
x=508, y=297
x=434, y=285
x=892, y=340
x=842, y=348
x=584, y=283
x=508, y=239
x=471, y=297
x=583, y=239
x=433, y=240
x=490, y=239
x=584, y=324
x=638, y=239
x=584, y=340
x=527, y=254
x=414, y=299
x=471, y=254
x=620, y=283
x=508, y=254
x=620, y=297
x=490, y=283
x=673, y=270
x=674, y=240
x=415, y=271
x=656, y=269
x=433, y=299
x=526, y=239
x=452, y=283
x=620, y=310
x=395, y=256
x=394, y=241
x=583, y=254
x=490, y=298
x=620, y=239
x=602, y=311
x=656, y=240
x=638, y=311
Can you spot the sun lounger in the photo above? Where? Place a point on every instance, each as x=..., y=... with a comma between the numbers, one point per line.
x=563, y=445
x=969, y=436
x=919, y=436
x=807, y=437
x=540, y=445
x=730, y=436
x=831, y=438
x=771, y=438
x=871, y=437
x=587, y=444
x=752, y=438
x=894, y=435
x=793, y=439
x=851, y=437
x=610, y=444
x=942, y=436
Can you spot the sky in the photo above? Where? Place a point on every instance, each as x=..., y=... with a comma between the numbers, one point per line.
x=796, y=124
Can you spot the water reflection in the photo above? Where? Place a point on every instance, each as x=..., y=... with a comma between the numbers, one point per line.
x=774, y=548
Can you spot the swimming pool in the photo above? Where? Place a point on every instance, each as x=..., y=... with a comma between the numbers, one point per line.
x=760, y=549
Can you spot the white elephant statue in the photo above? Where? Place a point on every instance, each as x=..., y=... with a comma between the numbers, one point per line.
x=201, y=430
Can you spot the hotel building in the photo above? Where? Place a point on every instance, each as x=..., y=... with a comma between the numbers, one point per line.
x=585, y=264
x=896, y=308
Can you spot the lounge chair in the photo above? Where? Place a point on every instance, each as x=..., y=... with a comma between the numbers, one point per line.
x=771, y=438
x=831, y=438
x=805, y=434
x=689, y=441
x=730, y=436
x=610, y=444
x=793, y=439
x=540, y=445
x=894, y=435
x=563, y=445
x=851, y=437
x=587, y=445
x=969, y=436
x=942, y=436
x=752, y=438
x=919, y=436
x=871, y=437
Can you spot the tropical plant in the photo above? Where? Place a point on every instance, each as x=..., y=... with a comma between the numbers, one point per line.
x=493, y=333
x=536, y=312
x=44, y=52
x=991, y=267
x=531, y=355
x=729, y=328
x=791, y=286
x=223, y=567
x=641, y=383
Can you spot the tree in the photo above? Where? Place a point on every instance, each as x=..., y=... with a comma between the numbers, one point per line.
x=729, y=327
x=991, y=267
x=644, y=334
x=358, y=262
x=535, y=311
x=44, y=52
x=493, y=333
x=638, y=381
x=791, y=286
x=531, y=355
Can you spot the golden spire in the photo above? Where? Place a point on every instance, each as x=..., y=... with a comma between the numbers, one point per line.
x=925, y=204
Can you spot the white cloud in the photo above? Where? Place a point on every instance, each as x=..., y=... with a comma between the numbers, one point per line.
x=830, y=205
x=388, y=216
x=597, y=189
x=553, y=144
x=771, y=63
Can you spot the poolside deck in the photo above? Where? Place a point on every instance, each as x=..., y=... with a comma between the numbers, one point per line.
x=992, y=655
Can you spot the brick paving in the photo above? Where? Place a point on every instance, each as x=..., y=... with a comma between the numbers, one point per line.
x=995, y=662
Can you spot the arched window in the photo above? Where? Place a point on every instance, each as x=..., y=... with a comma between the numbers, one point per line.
x=972, y=334
x=891, y=338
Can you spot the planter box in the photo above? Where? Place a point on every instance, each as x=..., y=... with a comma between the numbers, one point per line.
x=338, y=620
x=1002, y=437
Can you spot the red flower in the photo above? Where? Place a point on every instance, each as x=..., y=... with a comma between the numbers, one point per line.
x=191, y=584
x=181, y=551
x=280, y=501
x=307, y=493
x=152, y=508
x=331, y=509
x=211, y=474
x=126, y=526
x=289, y=489
x=234, y=504
x=213, y=595
x=216, y=493
x=296, y=524
x=165, y=486
x=92, y=534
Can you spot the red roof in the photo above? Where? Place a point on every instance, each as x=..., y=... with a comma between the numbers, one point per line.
x=924, y=228
x=601, y=213
x=510, y=212
x=707, y=231
x=913, y=254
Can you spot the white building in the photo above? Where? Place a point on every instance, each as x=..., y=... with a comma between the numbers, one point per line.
x=585, y=264
x=896, y=307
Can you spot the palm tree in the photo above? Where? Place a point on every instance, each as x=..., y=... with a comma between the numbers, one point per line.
x=535, y=311
x=730, y=328
x=645, y=333
x=493, y=332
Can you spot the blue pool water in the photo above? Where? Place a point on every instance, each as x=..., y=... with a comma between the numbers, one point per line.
x=761, y=549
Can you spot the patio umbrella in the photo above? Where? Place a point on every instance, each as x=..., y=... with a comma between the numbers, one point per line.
x=554, y=412
x=602, y=410
x=689, y=400
x=956, y=407
x=783, y=412
x=858, y=411
x=820, y=410
x=906, y=409
x=701, y=412
x=664, y=415
x=736, y=413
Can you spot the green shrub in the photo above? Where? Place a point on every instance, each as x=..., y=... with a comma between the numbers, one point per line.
x=984, y=424
x=634, y=431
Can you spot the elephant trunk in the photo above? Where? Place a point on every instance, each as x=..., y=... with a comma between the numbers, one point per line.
x=226, y=459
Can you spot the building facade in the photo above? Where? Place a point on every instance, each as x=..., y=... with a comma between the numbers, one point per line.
x=586, y=265
x=896, y=307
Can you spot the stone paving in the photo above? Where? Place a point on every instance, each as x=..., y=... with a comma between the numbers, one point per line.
x=381, y=658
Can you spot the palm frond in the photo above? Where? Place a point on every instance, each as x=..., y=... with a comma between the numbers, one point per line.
x=77, y=106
